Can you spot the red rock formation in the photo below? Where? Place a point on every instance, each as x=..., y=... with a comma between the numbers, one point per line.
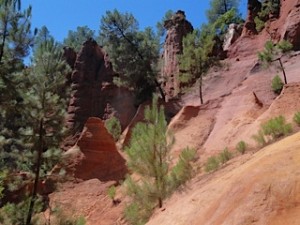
x=286, y=26
x=177, y=28
x=292, y=27
x=282, y=25
x=89, y=73
x=254, y=7
x=93, y=93
x=98, y=156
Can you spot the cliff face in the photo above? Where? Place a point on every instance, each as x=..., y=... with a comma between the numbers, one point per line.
x=177, y=27
x=93, y=93
x=291, y=31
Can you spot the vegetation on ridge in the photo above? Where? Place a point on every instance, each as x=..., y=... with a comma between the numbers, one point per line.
x=219, y=8
x=272, y=129
x=269, y=9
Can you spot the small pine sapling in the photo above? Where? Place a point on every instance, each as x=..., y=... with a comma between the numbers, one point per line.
x=211, y=164
x=225, y=156
x=277, y=85
x=241, y=147
x=260, y=138
x=149, y=157
x=259, y=24
x=273, y=53
x=111, y=192
x=276, y=127
x=181, y=172
x=297, y=118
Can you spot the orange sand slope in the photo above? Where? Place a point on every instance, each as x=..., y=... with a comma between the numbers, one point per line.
x=262, y=190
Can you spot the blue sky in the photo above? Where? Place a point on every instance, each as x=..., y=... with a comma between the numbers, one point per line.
x=60, y=16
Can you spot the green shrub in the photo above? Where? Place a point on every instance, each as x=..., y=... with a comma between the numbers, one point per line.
x=225, y=155
x=212, y=164
x=241, y=147
x=284, y=46
x=182, y=171
x=73, y=221
x=60, y=218
x=269, y=8
x=260, y=138
x=16, y=213
x=131, y=214
x=259, y=24
x=276, y=127
x=135, y=215
x=277, y=84
x=113, y=126
x=111, y=192
x=297, y=118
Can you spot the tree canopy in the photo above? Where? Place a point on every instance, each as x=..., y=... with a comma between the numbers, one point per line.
x=274, y=52
x=134, y=53
x=75, y=39
x=220, y=7
x=32, y=107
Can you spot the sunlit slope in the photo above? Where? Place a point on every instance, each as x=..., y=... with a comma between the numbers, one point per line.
x=262, y=190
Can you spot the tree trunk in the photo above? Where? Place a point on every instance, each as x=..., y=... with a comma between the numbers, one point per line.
x=37, y=173
x=225, y=6
x=160, y=204
x=3, y=40
x=283, y=71
x=200, y=90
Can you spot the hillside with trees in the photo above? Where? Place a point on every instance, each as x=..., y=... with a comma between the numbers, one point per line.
x=175, y=124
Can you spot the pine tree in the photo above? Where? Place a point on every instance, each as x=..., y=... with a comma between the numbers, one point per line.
x=195, y=59
x=44, y=110
x=15, y=41
x=273, y=53
x=30, y=112
x=75, y=39
x=220, y=7
x=134, y=54
x=222, y=23
x=149, y=157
